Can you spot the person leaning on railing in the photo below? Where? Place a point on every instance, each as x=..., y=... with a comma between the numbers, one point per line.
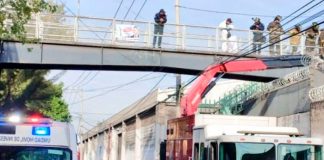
x=311, y=35
x=276, y=31
x=321, y=43
x=258, y=38
x=160, y=19
x=295, y=39
x=225, y=34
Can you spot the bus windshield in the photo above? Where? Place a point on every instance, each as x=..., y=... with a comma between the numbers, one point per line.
x=34, y=153
x=299, y=152
x=246, y=151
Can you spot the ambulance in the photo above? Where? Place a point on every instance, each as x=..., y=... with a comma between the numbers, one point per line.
x=36, y=138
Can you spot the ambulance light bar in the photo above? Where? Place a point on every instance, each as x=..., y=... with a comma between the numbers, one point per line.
x=25, y=120
x=41, y=131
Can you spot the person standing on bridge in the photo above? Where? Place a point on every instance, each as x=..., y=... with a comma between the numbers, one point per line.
x=295, y=39
x=276, y=31
x=258, y=38
x=321, y=43
x=311, y=35
x=225, y=34
x=160, y=19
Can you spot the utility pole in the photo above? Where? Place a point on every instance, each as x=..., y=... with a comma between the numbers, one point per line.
x=78, y=8
x=177, y=13
x=81, y=113
x=76, y=23
x=178, y=76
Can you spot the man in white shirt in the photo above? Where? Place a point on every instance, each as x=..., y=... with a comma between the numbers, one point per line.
x=228, y=41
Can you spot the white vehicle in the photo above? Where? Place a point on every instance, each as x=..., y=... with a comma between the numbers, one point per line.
x=250, y=138
x=34, y=138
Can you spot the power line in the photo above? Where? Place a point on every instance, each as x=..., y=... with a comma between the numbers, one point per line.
x=130, y=7
x=76, y=81
x=230, y=13
x=294, y=17
x=120, y=4
x=301, y=23
x=79, y=84
x=109, y=87
x=138, y=13
x=247, y=53
x=94, y=76
x=95, y=33
x=277, y=41
x=146, y=96
x=285, y=23
x=108, y=91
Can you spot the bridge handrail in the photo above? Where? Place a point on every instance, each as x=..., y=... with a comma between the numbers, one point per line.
x=186, y=37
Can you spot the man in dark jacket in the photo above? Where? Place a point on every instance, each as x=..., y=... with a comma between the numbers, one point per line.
x=275, y=30
x=311, y=36
x=160, y=19
x=321, y=43
x=258, y=39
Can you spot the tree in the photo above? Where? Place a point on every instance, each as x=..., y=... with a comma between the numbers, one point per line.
x=28, y=91
x=19, y=12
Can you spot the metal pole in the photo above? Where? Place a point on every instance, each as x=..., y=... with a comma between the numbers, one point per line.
x=177, y=13
x=178, y=76
x=76, y=27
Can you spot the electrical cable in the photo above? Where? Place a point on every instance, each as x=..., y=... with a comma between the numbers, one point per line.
x=119, y=85
x=320, y=13
x=130, y=7
x=288, y=21
x=77, y=85
x=235, y=58
x=108, y=91
x=120, y=4
x=234, y=13
x=244, y=54
x=95, y=33
x=138, y=13
x=76, y=81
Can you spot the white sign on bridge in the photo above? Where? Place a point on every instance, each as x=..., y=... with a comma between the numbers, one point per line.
x=126, y=32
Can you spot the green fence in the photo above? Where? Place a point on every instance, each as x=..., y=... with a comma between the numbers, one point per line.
x=232, y=102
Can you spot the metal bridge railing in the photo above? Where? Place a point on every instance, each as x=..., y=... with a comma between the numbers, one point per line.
x=102, y=31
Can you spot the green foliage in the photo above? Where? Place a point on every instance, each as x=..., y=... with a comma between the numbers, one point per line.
x=17, y=13
x=28, y=90
x=58, y=110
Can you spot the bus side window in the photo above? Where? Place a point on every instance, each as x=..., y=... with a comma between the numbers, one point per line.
x=203, y=152
x=196, y=153
x=213, y=151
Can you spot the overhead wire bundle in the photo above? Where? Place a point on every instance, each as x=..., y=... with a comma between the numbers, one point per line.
x=314, y=16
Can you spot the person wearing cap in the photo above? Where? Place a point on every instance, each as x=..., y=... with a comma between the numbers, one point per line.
x=295, y=39
x=258, y=39
x=311, y=36
x=160, y=19
x=321, y=43
x=276, y=31
x=225, y=33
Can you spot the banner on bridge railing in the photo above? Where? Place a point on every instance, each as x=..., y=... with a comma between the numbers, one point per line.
x=126, y=32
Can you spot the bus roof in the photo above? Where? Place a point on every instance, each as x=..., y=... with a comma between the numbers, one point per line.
x=53, y=134
x=268, y=139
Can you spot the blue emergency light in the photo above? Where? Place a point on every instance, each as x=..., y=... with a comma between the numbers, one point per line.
x=41, y=131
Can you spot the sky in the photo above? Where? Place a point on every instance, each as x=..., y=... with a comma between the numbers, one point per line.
x=108, y=100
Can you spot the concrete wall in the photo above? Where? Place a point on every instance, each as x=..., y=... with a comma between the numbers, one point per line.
x=300, y=121
x=138, y=137
x=284, y=102
x=317, y=120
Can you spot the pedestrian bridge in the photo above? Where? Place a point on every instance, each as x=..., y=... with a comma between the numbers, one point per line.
x=68, y=42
